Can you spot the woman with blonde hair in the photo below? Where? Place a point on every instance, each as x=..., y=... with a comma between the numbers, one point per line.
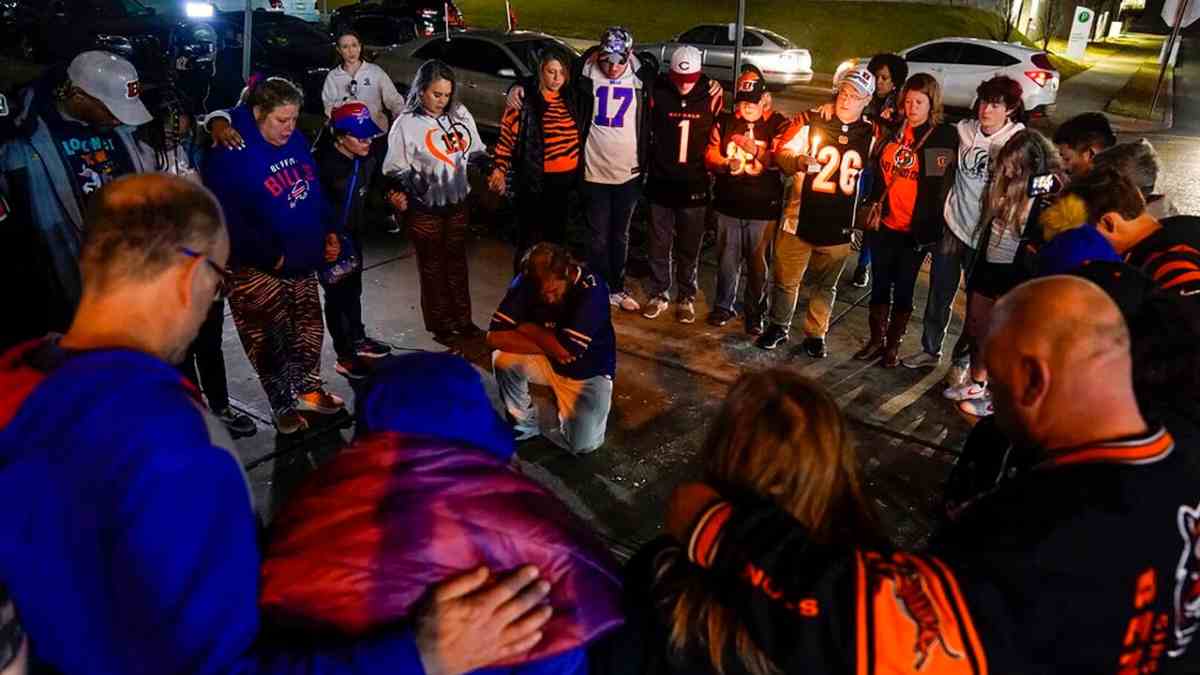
x=779, y=438
x=1007, y=247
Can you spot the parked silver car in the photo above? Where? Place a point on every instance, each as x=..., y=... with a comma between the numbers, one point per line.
x=781, y=61
x=485, y=62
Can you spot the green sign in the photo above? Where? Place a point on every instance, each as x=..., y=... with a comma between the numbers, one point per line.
x=1083, y=15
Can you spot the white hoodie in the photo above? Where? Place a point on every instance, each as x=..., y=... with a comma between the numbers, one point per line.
x=436, y=150
x=964, y=206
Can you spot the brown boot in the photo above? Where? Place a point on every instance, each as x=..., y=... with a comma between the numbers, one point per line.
x=895, y=335
x=879, y=323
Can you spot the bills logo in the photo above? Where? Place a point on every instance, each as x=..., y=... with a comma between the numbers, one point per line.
x=298, y=193
x=133, y=89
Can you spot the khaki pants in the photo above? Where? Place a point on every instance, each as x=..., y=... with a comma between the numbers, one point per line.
x=583, y=405
x=819, y=268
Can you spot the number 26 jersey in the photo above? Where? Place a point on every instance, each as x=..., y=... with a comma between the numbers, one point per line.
x=828, y=193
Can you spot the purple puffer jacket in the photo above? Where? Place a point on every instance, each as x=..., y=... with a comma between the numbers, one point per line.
x=400, y=510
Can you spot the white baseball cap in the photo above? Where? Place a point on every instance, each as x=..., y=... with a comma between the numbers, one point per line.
x=685, y=63
x=861, y=79
x=114, y=82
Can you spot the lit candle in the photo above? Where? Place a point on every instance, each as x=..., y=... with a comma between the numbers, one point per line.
x=813, y=146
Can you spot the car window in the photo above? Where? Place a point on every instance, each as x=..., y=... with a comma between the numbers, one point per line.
x=529, y=52
x=469, y=54
x=978, y=55
x=749, y=39
x=938, y=52
x=779, y=40
x=383, y=30
x=700, y=35
x=289, y=34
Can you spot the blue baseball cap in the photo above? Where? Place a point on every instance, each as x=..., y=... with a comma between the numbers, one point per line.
x=1073, y=248
x=354, y=118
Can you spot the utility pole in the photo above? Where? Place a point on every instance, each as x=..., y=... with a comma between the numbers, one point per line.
x=247, y=27
x=1180, y=12
x=739, y=31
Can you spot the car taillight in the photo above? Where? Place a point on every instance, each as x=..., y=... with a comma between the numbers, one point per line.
x=1040, y=77
x=1042, y=61
x=276, y=4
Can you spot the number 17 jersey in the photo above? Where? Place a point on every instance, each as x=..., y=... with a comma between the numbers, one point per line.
x=829, y=195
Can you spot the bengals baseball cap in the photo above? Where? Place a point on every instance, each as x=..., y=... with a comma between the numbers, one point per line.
x=685, y=65
x=861, y=79
x=354, y=119
x=114, y=82
x=750, y=88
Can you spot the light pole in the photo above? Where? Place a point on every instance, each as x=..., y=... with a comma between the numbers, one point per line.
x=247, y=27
x=739, y=31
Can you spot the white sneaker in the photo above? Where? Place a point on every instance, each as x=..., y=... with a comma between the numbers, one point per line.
x=657, y=305
x=966, y=392
x=685, y=311
x=921, y=359
x=625, y=301
x=978, y=407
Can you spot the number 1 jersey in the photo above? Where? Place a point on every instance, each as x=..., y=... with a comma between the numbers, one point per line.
x=827, y=193
x=679, y=130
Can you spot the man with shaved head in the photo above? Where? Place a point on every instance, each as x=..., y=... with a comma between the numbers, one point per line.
x=129, y=542
x=1084, y=557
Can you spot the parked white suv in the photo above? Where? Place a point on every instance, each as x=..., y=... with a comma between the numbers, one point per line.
x=961, y=64
x=301, y=9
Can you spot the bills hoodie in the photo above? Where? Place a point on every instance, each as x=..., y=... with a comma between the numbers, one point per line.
x=273, y=202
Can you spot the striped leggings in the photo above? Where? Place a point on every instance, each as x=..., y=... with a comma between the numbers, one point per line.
x=279, y=322
x=439, y=236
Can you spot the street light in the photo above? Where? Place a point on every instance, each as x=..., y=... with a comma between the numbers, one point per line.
x=199, y=10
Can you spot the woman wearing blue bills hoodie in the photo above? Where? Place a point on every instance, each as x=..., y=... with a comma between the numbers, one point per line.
x=282, y=229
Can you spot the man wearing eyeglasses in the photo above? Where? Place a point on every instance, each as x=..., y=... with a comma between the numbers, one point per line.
x=73, y=134
x=130, y=543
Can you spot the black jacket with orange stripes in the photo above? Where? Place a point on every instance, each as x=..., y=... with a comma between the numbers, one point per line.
x=1171, y=256
x=1087, y=562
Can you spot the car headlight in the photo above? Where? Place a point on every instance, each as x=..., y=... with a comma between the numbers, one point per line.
x=199, y=10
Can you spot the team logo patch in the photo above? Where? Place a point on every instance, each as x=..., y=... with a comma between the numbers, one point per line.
x=1187, y=581
x=298, y=193
x=905, y=158
x=843, y=140
x=133, y=89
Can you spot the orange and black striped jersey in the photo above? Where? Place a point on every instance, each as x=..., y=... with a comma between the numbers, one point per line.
x=1171, y=256
x=561, y=137
x=1086, y=560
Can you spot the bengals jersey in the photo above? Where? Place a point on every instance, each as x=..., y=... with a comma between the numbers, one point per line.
x=679, y=129
x=822, y=198
x=752, y=191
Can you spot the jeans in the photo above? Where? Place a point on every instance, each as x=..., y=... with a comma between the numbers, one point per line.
x=951, y=258
x=896, y=262
x=819, y=268
x=583, y=405
x=675, y=232
x=743, y=241
x=542, y=216
x=439, y=236
x=609, y=210
x=204, y=364
x=279, y=321
x=864, y=258
x=343, y=314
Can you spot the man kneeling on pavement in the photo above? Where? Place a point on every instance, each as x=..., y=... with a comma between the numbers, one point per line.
x=553, y=328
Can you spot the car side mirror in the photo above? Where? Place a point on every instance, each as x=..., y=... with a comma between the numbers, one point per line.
x=507, y=72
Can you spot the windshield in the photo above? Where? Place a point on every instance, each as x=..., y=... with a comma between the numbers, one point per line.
x=119, y=8
x=778, y=39
x=529, y=52
x=289, y=34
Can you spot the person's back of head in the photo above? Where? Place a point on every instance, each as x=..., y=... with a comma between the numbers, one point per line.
x=1027, y=154
x=1058, y=355
x=1137, y=161
x=1114, y=205
x=152, y=261
x=778, y=437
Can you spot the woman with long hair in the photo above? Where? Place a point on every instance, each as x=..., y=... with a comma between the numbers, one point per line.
x=779, y=438
x=429, y=147
x=538, y=149
x=357, y=79
x=280, y=234
x=909, y=190
x=1009, y=224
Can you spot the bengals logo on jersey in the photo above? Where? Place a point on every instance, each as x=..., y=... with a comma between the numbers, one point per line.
x=905, y=158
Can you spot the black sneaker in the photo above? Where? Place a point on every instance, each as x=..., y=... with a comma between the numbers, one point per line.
x=239, y=425
x=772, y=338
x=815, y=347
x=371, y=349
x=720, y=316
x=352, y=369
x=862, y=277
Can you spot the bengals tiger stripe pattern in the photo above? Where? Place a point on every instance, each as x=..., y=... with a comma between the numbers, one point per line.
x=279, y=322
x=561, y=137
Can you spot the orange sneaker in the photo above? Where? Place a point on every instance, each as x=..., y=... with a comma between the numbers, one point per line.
x=320, y=402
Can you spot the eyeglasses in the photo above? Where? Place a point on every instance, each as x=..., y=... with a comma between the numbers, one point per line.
x=223, y=281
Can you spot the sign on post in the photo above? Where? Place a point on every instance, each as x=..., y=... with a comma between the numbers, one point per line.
x=1081, y=30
